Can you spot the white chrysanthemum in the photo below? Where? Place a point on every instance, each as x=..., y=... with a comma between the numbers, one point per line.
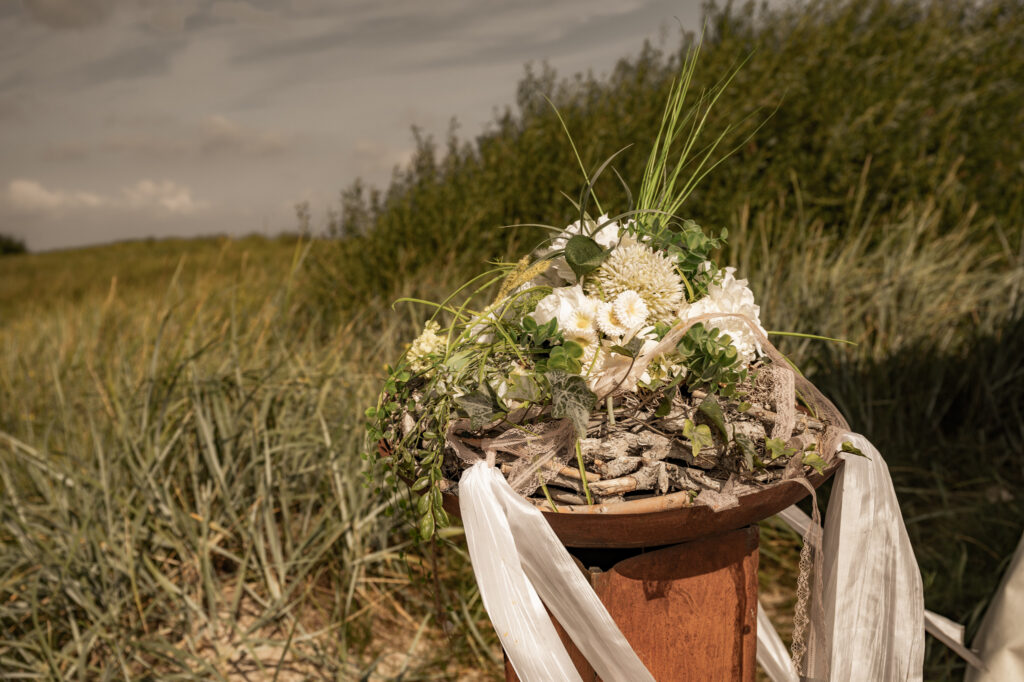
x=604, y=232
x=630, y=309
x=652, y=275
x=730, y=295
x=425, y=345
x=608, y=323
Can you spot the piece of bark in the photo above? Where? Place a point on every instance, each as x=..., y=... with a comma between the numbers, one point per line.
x=620, y=466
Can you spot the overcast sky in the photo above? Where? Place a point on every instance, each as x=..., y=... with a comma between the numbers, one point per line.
x=123, y=119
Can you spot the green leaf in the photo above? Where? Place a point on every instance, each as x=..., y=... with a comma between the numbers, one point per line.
x=421, y=484
x=571, y=399
x=426, y=527
x=853, y=450
x=665, y=406
x=479, y=407
x=743, y=406
x=776, y=447
x=523, y=387
x=699, y=436
x=815, y=460
x=750, y=458
x=712, y=411
x=583, y=254
x=572, y=349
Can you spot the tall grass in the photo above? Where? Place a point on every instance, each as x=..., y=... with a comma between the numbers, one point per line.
x=183, y=499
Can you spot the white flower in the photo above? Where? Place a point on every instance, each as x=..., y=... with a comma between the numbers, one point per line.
x=630, y=309
x=623, y=316
x=651, y=274
x=425, y=345
x=608, y=323
x=616, y=364
x=575, y=311
x=592, y=359
x=581, y=320
x=607, y=234
x=730, y=295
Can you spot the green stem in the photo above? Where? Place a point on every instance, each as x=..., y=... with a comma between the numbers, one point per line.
x=544, y=487
x=583, y=472
x=611, y=411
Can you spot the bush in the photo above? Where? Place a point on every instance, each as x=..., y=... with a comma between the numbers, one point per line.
x=11, y=245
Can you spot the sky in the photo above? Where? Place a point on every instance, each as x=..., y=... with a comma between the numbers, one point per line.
x=127, y=119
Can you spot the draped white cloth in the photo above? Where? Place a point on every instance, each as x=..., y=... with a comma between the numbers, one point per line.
x=1000, y=639
x=518, y=561
x=872, y=598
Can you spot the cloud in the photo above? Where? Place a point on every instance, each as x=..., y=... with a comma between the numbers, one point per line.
x=220, y=136
x=69, y=13
x=138, y=61
x=30, y=196
x=212, y=137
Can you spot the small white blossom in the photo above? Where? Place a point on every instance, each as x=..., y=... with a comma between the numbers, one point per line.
x=424, y=346
x=630, y=309
x=730, y=295
x=608, y=323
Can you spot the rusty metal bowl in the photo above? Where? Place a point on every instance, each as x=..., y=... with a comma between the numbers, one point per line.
x=666, y=519
x=661, y=520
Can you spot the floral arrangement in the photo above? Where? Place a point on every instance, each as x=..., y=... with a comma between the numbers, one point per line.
x=618, y=360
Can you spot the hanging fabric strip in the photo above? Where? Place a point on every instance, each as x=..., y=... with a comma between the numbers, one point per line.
x=943, y=629
x=873, y=599
x=772, y=655
x=516, y=557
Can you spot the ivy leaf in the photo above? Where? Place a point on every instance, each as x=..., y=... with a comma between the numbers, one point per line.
x=712, y=411
x=571, y=399
x=776, y=447
x=523, y=387
x=746, y=446
x=479, y=407
x=583, y=254
x=815, y=460
x=699, y=436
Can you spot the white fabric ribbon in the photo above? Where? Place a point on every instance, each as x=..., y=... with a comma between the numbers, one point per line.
x=872, y=599
x=518, y=561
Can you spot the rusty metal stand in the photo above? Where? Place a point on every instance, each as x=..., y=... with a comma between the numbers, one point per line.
x=688, y=610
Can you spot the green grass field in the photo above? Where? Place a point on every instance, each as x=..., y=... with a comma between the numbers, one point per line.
x=181, y=480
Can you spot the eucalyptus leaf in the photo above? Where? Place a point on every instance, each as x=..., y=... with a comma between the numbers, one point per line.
x=583, y=254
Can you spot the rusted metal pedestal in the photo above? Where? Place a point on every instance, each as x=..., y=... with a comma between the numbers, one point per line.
x=688, y=610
